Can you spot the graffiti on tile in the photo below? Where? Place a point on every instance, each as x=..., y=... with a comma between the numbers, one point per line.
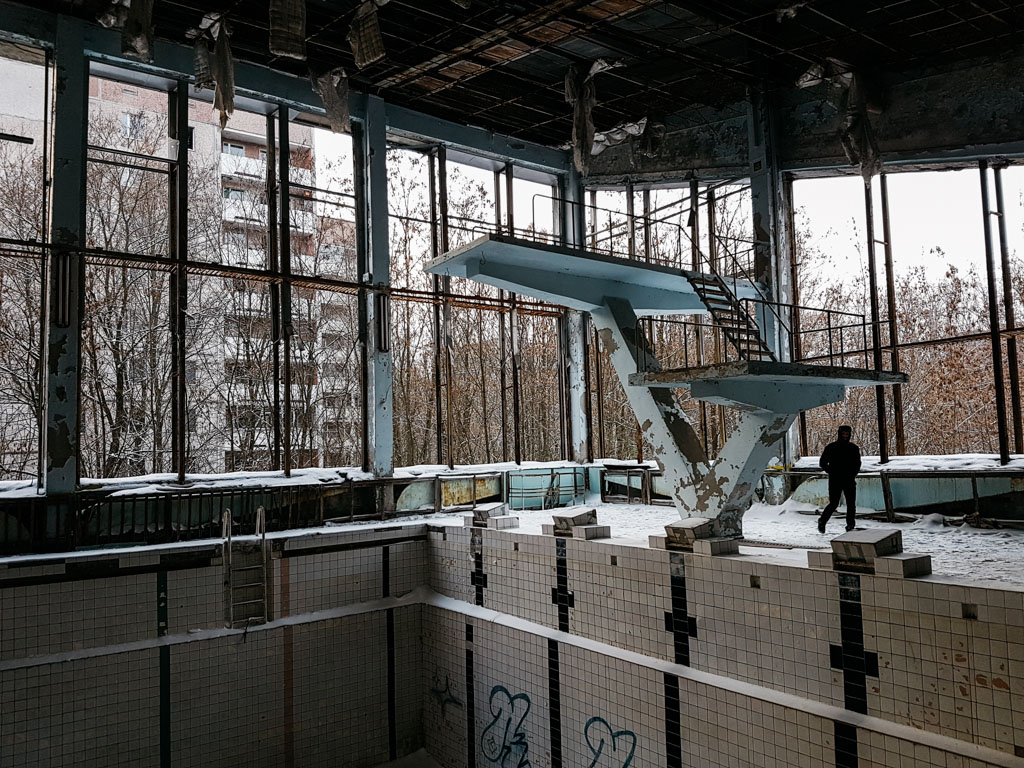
x=503, y=742
x=608, y=748
x=444, y=696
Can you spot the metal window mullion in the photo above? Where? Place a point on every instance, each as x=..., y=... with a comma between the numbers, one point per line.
x=1009, y=314
x=876, y=343
x=359, y=161
x=44, y=276
x=275, y=290
x=178, y=293
x=446, y=315
x=66, y=289
x=285, y=256
x=993, y=319
x=435, y=281
x=890, y=296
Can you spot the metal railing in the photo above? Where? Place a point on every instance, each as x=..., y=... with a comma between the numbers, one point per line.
x=837, y=338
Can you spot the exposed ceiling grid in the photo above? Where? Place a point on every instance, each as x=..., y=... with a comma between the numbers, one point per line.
x=501, y=63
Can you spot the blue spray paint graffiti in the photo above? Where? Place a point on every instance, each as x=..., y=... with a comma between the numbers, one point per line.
x=503, y=742
x=611, y=749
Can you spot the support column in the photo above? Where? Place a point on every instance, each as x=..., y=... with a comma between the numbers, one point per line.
x=376, y=272
x=67, y=264
x=768, y=203
x=772, y=205
x=575, y=325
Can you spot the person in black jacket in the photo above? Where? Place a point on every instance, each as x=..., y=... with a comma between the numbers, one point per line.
x=841, y=460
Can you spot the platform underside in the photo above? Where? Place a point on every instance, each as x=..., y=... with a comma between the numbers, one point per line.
x=765, y=371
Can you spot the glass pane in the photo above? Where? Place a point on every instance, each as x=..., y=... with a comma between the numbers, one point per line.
x=326, y=407
x=22, y=214
x=20, y=391
x=412, y=355
x=126, y=373
x=228, y=188
x=230, y=375
x=127, y=176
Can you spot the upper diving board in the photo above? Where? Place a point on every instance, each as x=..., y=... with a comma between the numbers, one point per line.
x=575, y=278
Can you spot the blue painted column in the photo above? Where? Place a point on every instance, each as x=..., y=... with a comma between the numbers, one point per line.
x=67, y=264
x=378, y=274
x=575, y=324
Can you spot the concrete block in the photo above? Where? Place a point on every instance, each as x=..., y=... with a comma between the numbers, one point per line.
x=547, y=529
x=564, y=523
x=657, y=542
x=817, y=558
x=683, y=533
x=716, y=546
x=862, y=547
x=484, y=512
x=905, y=565
x=591, y=531
x=467, y=520
x=502, y=522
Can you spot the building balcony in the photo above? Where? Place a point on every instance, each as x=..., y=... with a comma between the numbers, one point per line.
x=243, y=167
x=255, y=169
x=245, y=212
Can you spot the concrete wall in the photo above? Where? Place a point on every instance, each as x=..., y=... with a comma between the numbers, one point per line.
x=496, y=648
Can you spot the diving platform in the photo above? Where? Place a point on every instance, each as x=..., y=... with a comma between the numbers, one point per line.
x=767, y=393
x=574, y=278
x=766, y=384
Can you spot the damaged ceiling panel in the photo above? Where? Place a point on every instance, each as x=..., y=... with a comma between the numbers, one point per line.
x=501, y=64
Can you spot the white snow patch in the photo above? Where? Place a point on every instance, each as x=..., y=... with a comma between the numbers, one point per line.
x=957, y=461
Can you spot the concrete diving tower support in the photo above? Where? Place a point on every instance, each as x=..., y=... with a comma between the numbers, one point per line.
x=617, y=292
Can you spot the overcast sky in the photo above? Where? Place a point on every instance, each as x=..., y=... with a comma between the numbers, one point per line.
x=927, y=210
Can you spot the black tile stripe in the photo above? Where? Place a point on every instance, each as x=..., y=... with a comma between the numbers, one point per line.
x=478, y=578
x=856, y=664
x=560, y=595
x=392, y=725
x=846, y=745
x=554, y=704
x=851, y=631
x=102, y=569
x=679, y=621
x=470, y=702
x=165, y=670
x=171, y=561
x=385, y=577
x=673, y=723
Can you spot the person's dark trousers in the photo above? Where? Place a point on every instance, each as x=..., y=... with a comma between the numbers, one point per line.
x=841, y=486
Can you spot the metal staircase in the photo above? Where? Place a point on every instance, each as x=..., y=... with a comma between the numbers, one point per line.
x=729, y=314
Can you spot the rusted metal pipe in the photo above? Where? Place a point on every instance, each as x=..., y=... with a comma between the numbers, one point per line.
x=1009, y=315
x=890, y=295
x=993, y=320
x=876, y=343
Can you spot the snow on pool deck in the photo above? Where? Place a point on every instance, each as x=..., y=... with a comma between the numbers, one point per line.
x=961, y=552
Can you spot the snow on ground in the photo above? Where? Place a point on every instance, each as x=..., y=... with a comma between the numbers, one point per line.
x=957, y=552
x=168, y=481
x=946, y=462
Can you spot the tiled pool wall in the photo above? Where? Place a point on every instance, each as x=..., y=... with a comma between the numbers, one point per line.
x=492, y=648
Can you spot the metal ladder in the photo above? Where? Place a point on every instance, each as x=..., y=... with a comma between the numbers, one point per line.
x=729, y=315
x=245, y=565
